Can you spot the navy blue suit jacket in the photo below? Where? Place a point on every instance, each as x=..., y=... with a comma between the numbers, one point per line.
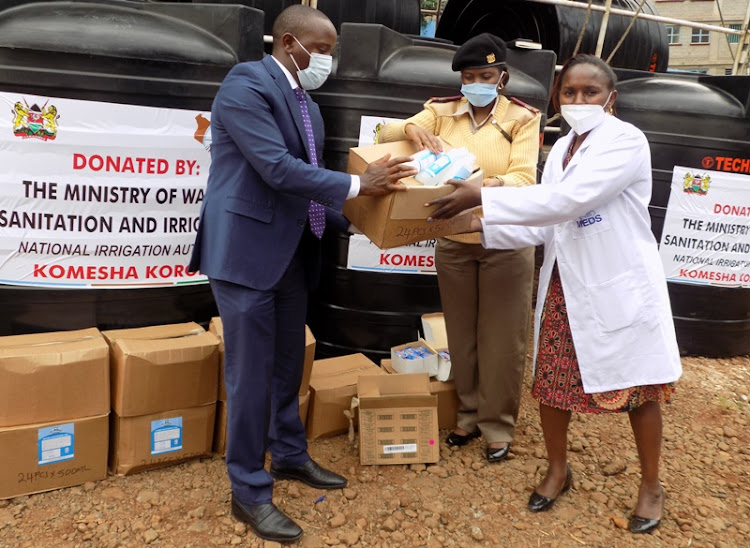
x=261, y=182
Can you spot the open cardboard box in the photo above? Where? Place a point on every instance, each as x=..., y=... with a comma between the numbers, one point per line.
x=446, y=397
x=433, y=326
x=400, y=218
x=427, y=364
x=398, y=420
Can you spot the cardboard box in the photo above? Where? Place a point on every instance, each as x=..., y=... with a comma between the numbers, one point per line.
x=400, y=218
x=446, y=395
x=161, y=368
x=304, y=386
x=220, y=428
x=52, y=455
x=49, y=377
x=160, y=439
x=333, y=384
x=436, y=335
x=304, y=407
x=428, y=364
x=217, y=328
x=398, y=420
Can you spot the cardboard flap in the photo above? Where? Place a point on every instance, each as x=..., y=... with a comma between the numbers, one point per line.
x=154, y=332
x=393, y=385
x=342, y=371
x=433, y=326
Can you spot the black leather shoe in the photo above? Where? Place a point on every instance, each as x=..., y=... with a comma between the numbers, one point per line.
x=539, y=503
x=496, y=454
x=267, y=521
x=458, y=440
x=639, y=525
x=312, y=474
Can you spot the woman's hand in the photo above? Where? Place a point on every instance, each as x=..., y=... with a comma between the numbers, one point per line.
x=492, y=181
x=466, y=196
x=423, y=138
x=476, y=224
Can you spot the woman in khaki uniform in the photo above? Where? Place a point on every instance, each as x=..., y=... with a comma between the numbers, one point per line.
x=486, y=294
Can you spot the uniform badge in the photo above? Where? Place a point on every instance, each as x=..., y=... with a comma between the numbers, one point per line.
x=491, y=58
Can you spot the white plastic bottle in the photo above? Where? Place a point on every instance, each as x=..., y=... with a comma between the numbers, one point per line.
x=457, y=161
x=422, y=159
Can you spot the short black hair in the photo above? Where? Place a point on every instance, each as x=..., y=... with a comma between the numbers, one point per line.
x=582, y=59
x=295, y=20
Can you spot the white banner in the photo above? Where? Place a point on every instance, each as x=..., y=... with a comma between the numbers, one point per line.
x=99, y=195
x=369, y=129
x=417, y=258
x=706, y=237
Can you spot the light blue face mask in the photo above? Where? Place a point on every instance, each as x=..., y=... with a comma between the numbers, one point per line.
x=479, y=95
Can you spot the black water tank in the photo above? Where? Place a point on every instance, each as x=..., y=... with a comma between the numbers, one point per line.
x=133, y=53
x=399, y=15
x=558, y=27
x=690, y=121
x=383, y=73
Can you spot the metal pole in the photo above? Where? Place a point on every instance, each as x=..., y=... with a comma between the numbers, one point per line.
x=603, y=28
x=646, y=16
x=740, y=58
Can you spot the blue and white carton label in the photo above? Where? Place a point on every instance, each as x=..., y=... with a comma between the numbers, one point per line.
x=56, y=443
x=166, y=435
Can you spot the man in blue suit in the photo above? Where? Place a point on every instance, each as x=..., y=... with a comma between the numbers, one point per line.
x=259, y=244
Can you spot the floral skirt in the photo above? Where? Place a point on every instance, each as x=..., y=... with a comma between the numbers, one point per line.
x=557, y=379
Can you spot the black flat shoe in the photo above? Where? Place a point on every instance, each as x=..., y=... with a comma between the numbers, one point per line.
x=267, y=521
x=540, y=503
x=311, y=474
x=496, y=454
x=640, y=526
x=458, y=440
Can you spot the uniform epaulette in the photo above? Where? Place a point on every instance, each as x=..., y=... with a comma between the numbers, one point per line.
x=445, y=99
x=517, y=101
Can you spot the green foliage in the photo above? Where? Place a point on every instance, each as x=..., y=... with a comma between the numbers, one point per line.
x=428, y=4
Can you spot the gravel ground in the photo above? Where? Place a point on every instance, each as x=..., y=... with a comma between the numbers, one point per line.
x=461, y=501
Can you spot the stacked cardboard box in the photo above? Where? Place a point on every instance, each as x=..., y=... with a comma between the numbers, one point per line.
x=398, y=419
x=54, y=403
x=333, y=384
x=164, y=389
x=220, y=430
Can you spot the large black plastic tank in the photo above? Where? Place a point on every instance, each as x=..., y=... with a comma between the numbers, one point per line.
x=689, y=121
x=384, y=73
x=135, y=53
x=399, y=15
x=558, y=27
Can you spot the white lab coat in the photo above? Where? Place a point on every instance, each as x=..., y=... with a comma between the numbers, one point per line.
x=593, y=219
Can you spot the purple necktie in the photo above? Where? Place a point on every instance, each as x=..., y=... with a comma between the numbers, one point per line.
x=316, y=212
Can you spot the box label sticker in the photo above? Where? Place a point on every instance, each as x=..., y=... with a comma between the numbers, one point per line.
x=166, y=435
x=403, y=448
x=56, y=443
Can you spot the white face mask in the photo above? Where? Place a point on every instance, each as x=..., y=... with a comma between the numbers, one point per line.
x=583, y=118
x=316, y=72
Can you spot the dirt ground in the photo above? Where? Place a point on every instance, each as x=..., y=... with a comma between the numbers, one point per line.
x=461, y=501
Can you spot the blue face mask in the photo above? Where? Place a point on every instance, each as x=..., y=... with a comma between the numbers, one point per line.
x=479, y=95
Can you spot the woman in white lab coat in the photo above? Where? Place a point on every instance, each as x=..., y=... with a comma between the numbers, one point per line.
x=604, y=336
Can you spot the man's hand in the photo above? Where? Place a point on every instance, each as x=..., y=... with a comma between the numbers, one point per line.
x=381, y=176
x=466, y=196
x=423, y=139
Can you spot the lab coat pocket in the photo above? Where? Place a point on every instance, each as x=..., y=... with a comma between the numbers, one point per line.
x=617, y=303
